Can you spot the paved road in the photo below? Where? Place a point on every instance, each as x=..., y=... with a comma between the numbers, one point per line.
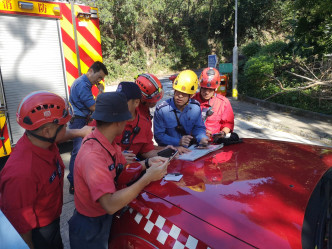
x=250, y=121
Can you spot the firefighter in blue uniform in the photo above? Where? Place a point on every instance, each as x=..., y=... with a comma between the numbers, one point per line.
x=178, y=121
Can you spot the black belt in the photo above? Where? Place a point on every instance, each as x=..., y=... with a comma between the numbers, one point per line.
x=80, y=117
x=87, y=119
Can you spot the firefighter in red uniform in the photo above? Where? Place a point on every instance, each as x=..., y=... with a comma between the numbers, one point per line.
x=98, y=162
x=152, y=92
x=31, y=183
x=216, y=109
x=137, y=139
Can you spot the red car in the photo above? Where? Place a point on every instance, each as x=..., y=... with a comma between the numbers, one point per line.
x=255, y=194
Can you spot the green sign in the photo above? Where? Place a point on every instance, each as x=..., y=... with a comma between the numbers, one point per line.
x=226, y=68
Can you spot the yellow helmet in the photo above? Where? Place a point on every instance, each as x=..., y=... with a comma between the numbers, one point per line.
x=186, y=82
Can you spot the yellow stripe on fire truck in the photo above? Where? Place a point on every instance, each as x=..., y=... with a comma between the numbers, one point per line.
x=29, y=7
x=5, y=146
x=70, y=55
x=88, y=41
x=86, y=46
x=89, y=26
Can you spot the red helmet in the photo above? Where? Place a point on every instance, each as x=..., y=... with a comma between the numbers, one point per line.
x=152, y=90
x=210, y=78
x=41, y=107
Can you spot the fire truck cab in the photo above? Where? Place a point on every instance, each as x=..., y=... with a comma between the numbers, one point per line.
x=44, y=45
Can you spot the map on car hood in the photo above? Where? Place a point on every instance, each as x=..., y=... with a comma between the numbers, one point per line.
x=199, y=152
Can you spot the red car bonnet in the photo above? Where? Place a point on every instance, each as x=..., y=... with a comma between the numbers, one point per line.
x=256, y=191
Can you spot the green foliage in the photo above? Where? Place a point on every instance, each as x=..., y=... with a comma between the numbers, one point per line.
x=276, y=48
x=190, y=30
x=257, y=71
x=138, y=60
x=266, y=69
x=303, y=100
x=119, y=71
x=186, y=30
x=165, y=35
x=313, y=25
x=251, y=49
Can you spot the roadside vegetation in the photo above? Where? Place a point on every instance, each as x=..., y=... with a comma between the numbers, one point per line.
x=285, y=45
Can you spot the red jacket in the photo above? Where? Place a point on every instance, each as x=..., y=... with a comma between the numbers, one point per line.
x=222, y=116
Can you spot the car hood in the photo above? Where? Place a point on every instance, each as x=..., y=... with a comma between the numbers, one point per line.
x=256, y=191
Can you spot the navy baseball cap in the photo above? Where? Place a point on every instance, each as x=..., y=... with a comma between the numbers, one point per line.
x=111, y=107
x=130, y=89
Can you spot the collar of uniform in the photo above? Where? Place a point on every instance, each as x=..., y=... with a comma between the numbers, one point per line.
x=144, y=111
x=86, y=80
x=205, y=102
x=45, y=154
x=103, y=140
x=173, y=106
x=133, y=122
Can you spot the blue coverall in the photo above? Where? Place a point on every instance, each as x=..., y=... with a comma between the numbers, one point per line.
x=81, y=99
x=165, y=122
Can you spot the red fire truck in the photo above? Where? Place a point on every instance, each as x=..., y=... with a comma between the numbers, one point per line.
x=44, y=45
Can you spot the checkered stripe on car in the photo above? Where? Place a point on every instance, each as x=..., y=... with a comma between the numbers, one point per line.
x=166, y=233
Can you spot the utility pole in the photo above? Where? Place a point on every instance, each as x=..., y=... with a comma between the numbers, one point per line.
x=235, y=57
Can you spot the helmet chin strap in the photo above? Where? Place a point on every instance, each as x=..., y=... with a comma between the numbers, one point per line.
x=44, y=139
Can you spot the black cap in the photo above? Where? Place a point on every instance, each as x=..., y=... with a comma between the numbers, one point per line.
x=111, y=107
x=130, y=89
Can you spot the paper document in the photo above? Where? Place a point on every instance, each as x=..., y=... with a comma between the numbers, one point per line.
x=173, y=177
x=197, y=153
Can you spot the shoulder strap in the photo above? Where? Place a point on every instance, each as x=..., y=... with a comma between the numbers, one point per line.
x=180, y=127
x=161, y=105
x=194, y=101
x=93, y=138
x=118, y=168
x=177, y=118
x=134, y=133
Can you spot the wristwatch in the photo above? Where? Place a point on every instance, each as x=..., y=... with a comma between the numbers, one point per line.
x=147, y=163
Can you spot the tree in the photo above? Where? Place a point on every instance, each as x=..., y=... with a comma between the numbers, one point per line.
x=316, y=76
x=313, y=30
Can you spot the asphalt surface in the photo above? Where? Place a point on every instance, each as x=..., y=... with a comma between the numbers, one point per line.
x=311, y=127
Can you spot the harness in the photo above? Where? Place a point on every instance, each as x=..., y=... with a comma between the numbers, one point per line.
x=118, y=168
x=209, y=112
x=180, y=129
x=136, y=130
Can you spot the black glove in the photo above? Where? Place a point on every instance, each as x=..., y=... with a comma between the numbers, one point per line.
x=192, y=141
x=233, y=139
